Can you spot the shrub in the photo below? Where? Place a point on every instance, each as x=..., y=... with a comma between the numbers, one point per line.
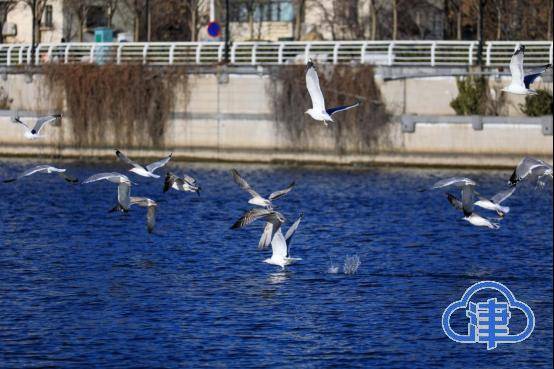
x=472, y=96
x=538, y=105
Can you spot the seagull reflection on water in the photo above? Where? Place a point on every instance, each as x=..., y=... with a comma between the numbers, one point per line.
x=278, y=278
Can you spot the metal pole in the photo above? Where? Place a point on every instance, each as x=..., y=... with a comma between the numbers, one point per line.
x=481, y=24
x=34, y=30
x=227, y=32
x=212, y=10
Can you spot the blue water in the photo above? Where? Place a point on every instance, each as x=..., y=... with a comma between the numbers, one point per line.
x=83, y=288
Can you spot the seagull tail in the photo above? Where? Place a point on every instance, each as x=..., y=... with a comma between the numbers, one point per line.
x=118, y=207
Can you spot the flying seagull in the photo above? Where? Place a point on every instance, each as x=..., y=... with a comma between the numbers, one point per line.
x=186, y=184
x=280, y=246
x=141, y=170
x=521, y=83
x=274, y=218
x=44, y=169
x=144, y=202
x=318, y=111
x=495, y=202
x=34, y=133
x=123, y=188
x=256, y=199
x=470, y=216
x=530, y=168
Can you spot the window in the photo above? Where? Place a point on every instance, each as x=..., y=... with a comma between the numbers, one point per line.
x=267, y=11
x=47, y=21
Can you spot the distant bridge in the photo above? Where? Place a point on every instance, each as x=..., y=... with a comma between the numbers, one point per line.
x=388, y=53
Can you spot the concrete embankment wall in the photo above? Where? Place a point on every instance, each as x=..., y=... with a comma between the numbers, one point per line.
x=232, y=121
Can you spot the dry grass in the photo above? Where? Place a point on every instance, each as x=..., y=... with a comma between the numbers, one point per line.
x=355, y=131
x=117, y=105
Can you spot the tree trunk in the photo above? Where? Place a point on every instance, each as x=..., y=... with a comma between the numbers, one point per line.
x=459, y=24
x=299, y=12
x=550, y=15
x=373, y=16
x=394, y=19
x=499, y=22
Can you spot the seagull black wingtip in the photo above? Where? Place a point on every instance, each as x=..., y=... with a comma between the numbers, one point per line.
x=10, y=180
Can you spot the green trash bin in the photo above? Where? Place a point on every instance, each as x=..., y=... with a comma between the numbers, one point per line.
x=102, y=52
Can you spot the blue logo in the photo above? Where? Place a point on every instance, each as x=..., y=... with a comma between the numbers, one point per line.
x=488, y=320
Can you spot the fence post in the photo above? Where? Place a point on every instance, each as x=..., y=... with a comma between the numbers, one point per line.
x=145, y=53
x=433, y=51
x=171, y=53
x=118, y=54
x=9, y=55
x=307, y=53
x=336, y=53
x=280, y=53
x=390, y=54
x=49, y=54
x=220, y=51
x=66, y=54
x=470, y=53
x=20, y=54
x=91, y=55
x=362, y=55
x=198, y=53
x=489, y=49
x=254, y=49
x=234, y=53
x=29, y=54
x=37, y=54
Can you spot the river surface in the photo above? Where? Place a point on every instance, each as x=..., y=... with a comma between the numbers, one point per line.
x=83, y=288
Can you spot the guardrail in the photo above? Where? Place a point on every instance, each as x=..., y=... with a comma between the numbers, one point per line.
x=397, y=53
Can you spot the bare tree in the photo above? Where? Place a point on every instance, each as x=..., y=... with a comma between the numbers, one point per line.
x=394, y=19
x=5, y=8
x=299, y=11
x=111, y=8
x=80, y=9
x=138, y=10
x=37, y=10
x=194, y=9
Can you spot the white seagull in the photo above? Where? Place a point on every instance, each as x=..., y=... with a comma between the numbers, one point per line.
x=532, y=169
x=495, y=202
x=151, y=206
x=256, y=199
x=123, y=188
x=318, y=111
x=34, y=133
x=141, y=170
x=520, y=84
x=280, y=246
x=186, y=184
x=466, y=204
x=44, y=169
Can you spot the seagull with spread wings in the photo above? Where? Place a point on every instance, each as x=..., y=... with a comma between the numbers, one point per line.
x=318, y=110
x=48, y=169
x=123, y=188
x=34, y=133
x=530, y=169
x=142, y=170
x=150, y=205
x=256, y=198
x=495, y=202
x=520, y=84
x=185, y=184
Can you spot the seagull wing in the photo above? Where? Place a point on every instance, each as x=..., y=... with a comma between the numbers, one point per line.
x=453, y=200
x=170, y=179
x=525, y=168
x=121, y=156
x=277, y=194
x=112, y=177
x=312, y=82
x=42, y=121
x=151, y=206
x=17, y=120
x=291, y=231
x=251, y=216
x=158, y=164
x=454, y=181
x=124, y=195
x=503, y=195
x=28, y=172
x=342, y=108
x=516, y=66
x=468, y=195
x=530, y=78
x=243, y=184
x=279, y=246
x=265, y=239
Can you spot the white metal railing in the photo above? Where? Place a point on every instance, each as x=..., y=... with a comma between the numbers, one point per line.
x=393, y=53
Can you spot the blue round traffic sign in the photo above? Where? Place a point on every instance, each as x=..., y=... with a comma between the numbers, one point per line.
x=214, y=29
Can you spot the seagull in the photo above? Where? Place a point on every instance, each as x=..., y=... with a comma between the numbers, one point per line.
x=531, y=168
x=520, y=83
x=256, y=199
x=466, y=204
x=495, y=202
x=151, y=205
x=144, y=171
x=33, y=133
x=470, y=216
x=274, y=220
x=44, y=169
x=318, y=111
x=280, y=246
x=123, y=188
x=186, y=184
